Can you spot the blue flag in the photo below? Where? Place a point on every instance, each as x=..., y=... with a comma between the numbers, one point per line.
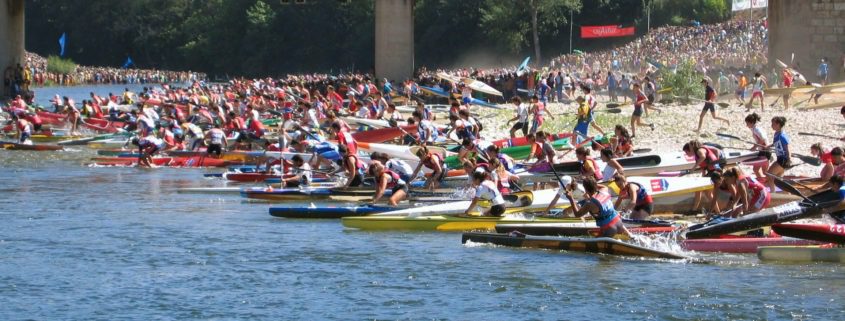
x=62, y=41
x=128, y=62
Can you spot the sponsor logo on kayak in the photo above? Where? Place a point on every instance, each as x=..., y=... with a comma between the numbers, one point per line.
x=659, y=185
x=837, y=228
x=788, y=209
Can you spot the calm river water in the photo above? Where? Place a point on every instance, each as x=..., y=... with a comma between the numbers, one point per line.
x=87, y=243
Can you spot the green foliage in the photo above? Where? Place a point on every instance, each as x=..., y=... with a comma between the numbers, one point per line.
x=260, y=14
x=56, y=64
x=509, y=21
x=684, y=80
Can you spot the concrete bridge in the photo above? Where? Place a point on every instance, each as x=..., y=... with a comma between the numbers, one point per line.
x=394, y=35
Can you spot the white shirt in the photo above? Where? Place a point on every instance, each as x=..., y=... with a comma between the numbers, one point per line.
x=304, y=172
x=522, y=112
x=400, y=167
x=488, y=191
x=759, y=135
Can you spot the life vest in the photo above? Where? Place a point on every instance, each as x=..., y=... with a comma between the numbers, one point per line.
x=596, y=172
x=395, y=179
x=643, y=198
x=711, y=160
x=428, y=162
x=606, y=211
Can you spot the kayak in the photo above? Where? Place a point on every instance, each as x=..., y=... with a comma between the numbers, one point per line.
x=796, y=254
x=441, y=93
x=398, y=151
x=442, y=222
x=539, y=200
x=109, y=143
x=249, y=177
x=16, y=146
x=516, y=152
x=645, y=165
x=670, y=194
x=209, y=190
x=480, y=86
x=521, y=141
x=603, y=245
x=327, y=212
x=828, y=233
x=163, y=161
x=778, y=214
x=573, y=229
x=232, y=156
x=54, y=138
x=740, y=244
x=383, y=134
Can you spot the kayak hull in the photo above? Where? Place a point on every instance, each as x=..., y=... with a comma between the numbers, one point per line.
x=439, y=223
x=741, y=244
x=802, y=254
x=589, y=245
x=828, y=233
x=332, y=212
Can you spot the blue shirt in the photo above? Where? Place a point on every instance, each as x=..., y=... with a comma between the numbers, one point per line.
x=823, y=69
x=781, y=143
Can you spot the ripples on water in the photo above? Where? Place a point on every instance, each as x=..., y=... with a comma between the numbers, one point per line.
x=98, y=243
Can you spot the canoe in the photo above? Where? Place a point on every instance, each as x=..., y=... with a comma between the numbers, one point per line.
x=517, y=152
x=539, y=200
x=448, y=223
x=603, y=245
x=828, y=233
x=740, y=244
x=802, y=254
x=327, y=212
x=521, y=141
x=646, y=165
x=572, y=229
x=16, y=146
x=778, y=214
x=383, y=134
x=163, y=161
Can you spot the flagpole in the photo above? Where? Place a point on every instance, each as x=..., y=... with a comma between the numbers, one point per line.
x=571, y=24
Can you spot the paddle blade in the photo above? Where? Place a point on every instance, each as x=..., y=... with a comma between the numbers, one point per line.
x=612, y=105
x=614, y=111
x=786, y=187
x=728, y=136
x=808, y=159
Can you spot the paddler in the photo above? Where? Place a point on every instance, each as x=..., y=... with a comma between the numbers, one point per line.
x=599, y=205
x=710, y=104
x=640, y=203
x=387, y=179
x=470, y=151
x=780, y=143
x=612, y=166
x=486, y=190
x=747, y=190
x=621, y=142
x=640, y=100
x=24, y=130
x=583, y=119
x=426, y=131
x=216, y=141
x=395, y=165
x=301, y=173
x=826, y=158
x=760, y=139
x=147, y=147
x=787, y=83
x=353, y=167
x=538, y=109
x=757, y=91
x=434, y=162
x=589, y=166
x=521, y=118
x=709, y=159
x=591, y=103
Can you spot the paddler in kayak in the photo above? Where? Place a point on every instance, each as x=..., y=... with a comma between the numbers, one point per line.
x=710, y=104
x=760, y=139
x=640, y=203
x=486, y=190
x=301, y=173
x=599, y=205
x=709, y=159
x=386, y=179
x=434, y=162
x=746, y=190
x=780, y=143
x=826, y=157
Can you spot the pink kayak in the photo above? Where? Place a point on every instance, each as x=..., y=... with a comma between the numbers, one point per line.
x=741, y=244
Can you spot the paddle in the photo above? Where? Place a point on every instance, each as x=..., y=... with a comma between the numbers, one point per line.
x=613, y=105
x=818, y=135
x=642, y=150
x=806, y=159
x=722, y=104
x=786, y=187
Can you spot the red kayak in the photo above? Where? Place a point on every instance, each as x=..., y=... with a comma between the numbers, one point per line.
x=382, y=135
x=249, y=177
x=163, y=161
x=521, y=141
x=828, y=233
x=741, y=244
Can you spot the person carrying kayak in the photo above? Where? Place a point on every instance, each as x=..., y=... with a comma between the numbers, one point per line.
x=216, y=141
x=434, y=162
x=640, y=203
x=709, y=105
x=599, y=205
x=746, y=190
x=300, y=173
x=760, y=140
x=386, y=179
x=826, y=157
x=709, y=159
x=780, y=143
x=486, y=190
x=521, y=118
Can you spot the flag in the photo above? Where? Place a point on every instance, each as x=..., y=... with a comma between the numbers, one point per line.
x=606, y=31
x=62, y=41
x=128, y=62
x=739, y=5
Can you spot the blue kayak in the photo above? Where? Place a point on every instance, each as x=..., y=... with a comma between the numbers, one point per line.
x=328, y=212
x=444, y=94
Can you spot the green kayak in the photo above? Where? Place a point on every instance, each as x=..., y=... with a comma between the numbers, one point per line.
x=516, y=152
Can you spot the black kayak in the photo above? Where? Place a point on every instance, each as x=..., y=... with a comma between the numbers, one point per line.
x=604, y=245
x=329, y=212
x=816, y=205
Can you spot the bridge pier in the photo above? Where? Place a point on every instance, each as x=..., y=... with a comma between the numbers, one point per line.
x=11, y=41
x=812, y=30
x=394, y=39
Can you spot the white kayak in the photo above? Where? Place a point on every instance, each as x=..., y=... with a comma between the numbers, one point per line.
x=398, y=151
x=209, y=190
x=480, y=86
x=541, y=200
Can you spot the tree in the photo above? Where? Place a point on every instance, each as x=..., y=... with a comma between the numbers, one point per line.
x=505, y=20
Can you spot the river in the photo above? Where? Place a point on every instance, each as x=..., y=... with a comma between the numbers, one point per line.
x=95, y=243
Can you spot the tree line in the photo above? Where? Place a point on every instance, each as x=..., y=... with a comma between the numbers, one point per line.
x=272, y=37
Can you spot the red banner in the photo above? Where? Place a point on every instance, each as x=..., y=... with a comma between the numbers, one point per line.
x=605, y=31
